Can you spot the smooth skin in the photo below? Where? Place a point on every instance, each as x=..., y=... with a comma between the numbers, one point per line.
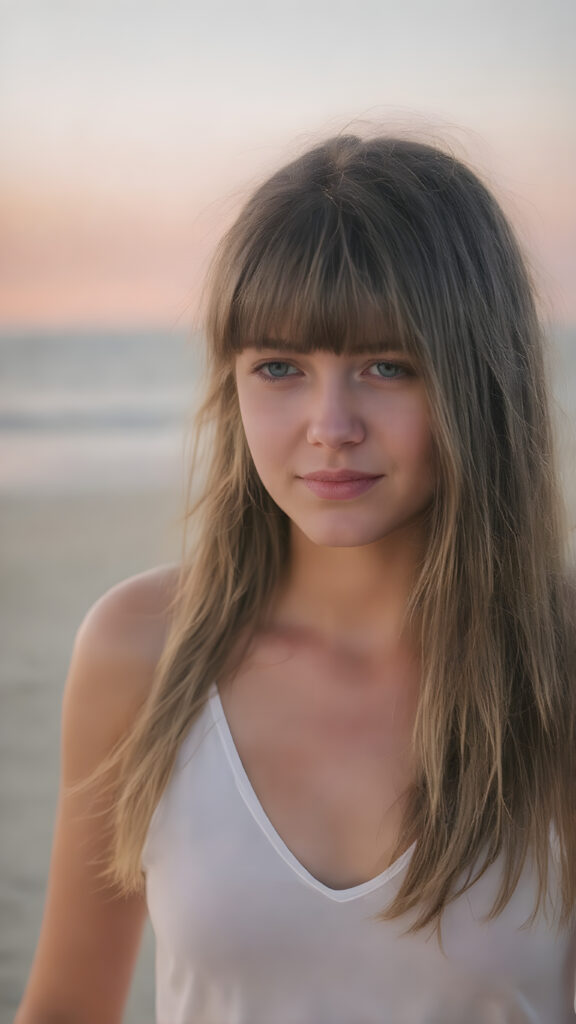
x=322, y=706
x=320, y=411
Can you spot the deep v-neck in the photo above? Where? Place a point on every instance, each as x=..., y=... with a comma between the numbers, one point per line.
x=253, y=804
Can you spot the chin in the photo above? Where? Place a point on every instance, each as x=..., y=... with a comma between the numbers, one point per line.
x=356, y=533
x=339, y=536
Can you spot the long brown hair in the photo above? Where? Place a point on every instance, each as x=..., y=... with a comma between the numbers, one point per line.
x=365, y=242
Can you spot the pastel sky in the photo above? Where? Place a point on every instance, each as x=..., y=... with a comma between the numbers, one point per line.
x=131, y=130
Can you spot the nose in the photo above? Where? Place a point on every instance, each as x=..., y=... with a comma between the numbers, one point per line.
x=334, y=418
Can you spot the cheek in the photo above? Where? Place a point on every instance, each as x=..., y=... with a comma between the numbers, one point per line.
x=409, y=432
x=415, y=453
x=423, y=442
x=266, y=422
x=424, y=449
x=426, y=457
x=265, y=431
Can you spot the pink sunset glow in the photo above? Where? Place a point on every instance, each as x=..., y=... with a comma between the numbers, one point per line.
x=127, y=156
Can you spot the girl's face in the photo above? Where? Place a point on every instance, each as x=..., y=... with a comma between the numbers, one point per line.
x=364, y=415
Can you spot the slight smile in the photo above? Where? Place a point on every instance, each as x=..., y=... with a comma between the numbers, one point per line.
x=339, y=484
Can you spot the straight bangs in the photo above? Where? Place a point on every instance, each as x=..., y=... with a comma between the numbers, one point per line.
x=313, y=280
x=388, y=244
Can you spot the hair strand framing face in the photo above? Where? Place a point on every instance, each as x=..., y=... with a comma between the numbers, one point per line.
x=388, y=243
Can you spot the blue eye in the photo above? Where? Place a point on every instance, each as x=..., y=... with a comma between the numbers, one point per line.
x=272, y=368
x=276, y=370
x=389, y=370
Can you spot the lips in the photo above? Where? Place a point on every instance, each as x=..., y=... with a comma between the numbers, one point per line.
x=339, y=475
x=339, y=485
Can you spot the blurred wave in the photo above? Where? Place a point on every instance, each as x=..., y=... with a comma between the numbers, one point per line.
x=96, y=410
x=88, y=410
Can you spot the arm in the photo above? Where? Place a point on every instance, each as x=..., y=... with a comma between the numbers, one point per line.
x=90, y=937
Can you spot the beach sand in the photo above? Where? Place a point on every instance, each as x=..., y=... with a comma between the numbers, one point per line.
x=58, y=554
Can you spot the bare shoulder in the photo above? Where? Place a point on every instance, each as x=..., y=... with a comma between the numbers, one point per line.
x=138, y=603
x=116, y=652
x=90, y=933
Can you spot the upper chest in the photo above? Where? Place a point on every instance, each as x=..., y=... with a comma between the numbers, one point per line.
x=325, y=740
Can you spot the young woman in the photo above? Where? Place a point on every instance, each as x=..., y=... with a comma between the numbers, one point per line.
x=333, y=753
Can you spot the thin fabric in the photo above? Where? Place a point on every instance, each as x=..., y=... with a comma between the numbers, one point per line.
x=246, y=935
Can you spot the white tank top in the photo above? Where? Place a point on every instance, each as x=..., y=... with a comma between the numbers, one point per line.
x=246, y=935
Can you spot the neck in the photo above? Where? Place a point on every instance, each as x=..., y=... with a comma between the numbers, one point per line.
x=350, y=597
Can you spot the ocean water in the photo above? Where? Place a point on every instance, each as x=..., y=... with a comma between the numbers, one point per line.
x=83, y=411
